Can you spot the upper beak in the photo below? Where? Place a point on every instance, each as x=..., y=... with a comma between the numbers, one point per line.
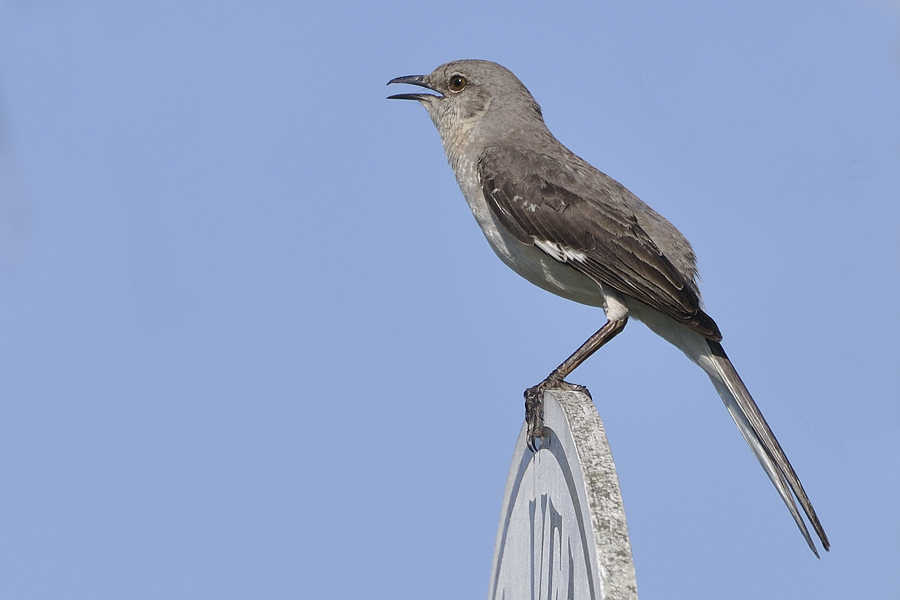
x=418, y=80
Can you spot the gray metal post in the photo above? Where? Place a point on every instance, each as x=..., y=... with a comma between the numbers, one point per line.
x=562, y=530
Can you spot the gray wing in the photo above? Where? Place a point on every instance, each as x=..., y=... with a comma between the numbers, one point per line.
x=545, y=200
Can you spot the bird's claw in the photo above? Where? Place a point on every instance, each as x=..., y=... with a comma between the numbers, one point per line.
x=534, y=406
x=534, y=411
x=534, y=414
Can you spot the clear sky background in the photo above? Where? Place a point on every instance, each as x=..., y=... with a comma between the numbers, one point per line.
x=253, y=344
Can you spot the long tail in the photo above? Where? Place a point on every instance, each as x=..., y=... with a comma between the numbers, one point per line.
x=762, y=441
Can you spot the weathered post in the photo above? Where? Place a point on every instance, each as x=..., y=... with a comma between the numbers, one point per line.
x=562, y=532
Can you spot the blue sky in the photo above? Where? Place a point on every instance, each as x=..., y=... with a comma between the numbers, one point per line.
x=253, y=344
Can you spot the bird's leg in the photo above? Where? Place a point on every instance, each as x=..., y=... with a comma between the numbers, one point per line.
x=534, y=396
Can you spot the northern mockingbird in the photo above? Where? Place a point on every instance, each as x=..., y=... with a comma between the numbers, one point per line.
x=574, y=231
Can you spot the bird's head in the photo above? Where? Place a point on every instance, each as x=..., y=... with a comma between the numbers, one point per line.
x=474, y=99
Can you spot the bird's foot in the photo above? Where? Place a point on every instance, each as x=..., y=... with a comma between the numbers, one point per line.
x=534, y=406
x=534, y=413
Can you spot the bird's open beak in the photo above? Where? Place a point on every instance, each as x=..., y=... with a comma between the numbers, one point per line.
x=418, y=80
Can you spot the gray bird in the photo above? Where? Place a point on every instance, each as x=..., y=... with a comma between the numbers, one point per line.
x=574, y=231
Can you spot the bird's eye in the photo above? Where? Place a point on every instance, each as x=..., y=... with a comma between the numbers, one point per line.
x=457, y=83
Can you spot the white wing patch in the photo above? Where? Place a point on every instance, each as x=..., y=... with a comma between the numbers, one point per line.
x=560, y=252
x=526, y=205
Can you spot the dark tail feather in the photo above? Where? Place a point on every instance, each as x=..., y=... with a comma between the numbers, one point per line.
x=762, y=441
